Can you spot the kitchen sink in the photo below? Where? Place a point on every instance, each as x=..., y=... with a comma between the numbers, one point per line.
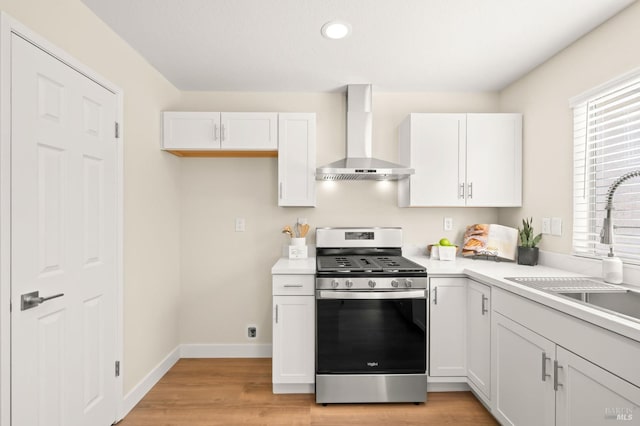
x=623, y=304
x=611, y=298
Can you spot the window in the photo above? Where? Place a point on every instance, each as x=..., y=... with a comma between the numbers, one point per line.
x=606, y=146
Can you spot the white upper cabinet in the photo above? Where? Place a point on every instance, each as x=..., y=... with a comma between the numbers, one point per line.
x=494, y=160
x=226, y=131
x=297, y=159
x=191, y=130
x=252, y=131
x=461, y=160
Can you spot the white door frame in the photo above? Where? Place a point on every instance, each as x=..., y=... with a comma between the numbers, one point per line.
x=8, y=25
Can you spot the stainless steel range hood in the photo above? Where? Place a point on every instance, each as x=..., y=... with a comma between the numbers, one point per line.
x=358, y=164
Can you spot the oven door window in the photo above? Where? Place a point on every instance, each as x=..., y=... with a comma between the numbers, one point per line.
x=371, y=336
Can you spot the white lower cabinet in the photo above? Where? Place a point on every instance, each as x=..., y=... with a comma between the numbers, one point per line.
x=523, y=382
x=537, y=382
x=479, y=339
x=588, y=395
x=447, y=316
x=293, y=369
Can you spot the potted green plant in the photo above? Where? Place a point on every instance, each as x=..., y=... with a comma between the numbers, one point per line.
x=527, y=250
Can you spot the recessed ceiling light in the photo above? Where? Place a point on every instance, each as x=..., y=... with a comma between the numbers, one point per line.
x=336, y=30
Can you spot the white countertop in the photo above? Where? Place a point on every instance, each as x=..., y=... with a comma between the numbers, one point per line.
x=493, y=273
x=286, y=266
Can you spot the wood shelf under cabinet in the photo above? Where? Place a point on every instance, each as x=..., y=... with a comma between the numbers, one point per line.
x=224, y=154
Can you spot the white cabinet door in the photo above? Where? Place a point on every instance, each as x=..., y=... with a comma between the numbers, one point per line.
x=255, y=131
x=447, y=341
x=479, y=337
x=461, y=160
x=431, y=143
x=293, y=339
x=522, y=367
x=494, y=160
x=297, y=159
x=191, y=130
x=588, y=395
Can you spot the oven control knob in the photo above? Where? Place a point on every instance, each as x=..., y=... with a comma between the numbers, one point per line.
x=408, y=283
x=372, y=283
x=334, y=283
x=349, y=283
x=394, y=283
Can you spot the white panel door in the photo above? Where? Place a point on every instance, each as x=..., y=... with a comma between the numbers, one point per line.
x=253, y=131
x=588, y=395
x=293, y=339
x=522, y=367
x=448, y=325
x=63, y=242
x=297, y=159
x=494, y=160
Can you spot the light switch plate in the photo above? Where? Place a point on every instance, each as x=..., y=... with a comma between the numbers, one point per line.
x=240, y=224
x=556, y=226
x=448, y=223
x=546, y=225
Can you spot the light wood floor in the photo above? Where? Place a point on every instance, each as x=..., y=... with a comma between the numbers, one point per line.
x=199, y=392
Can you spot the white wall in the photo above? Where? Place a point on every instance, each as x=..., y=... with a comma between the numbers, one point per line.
x=151, y=198
x=226, y=282
x=543, y=97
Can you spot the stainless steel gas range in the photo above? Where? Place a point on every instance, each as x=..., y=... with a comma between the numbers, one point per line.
x=371, y=318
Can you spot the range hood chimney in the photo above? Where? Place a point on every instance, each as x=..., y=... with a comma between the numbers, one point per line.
x=358, y=165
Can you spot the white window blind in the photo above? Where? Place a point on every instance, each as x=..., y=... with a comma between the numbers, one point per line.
x=606, y=146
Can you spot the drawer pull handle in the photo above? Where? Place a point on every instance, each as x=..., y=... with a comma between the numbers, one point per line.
x=293, y=285
x=556, y=367
x=544, y=367
x=435, y=295
x=484, y=306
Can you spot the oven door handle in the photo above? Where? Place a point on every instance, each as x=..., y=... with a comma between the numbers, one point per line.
x=376, y=295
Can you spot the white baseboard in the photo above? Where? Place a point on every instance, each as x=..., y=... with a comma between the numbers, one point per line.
x=136, y=394
x=195, y=350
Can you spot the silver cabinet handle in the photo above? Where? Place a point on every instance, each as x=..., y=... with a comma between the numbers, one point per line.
x=556, y=367
x=461, y=191
x=544, y=366
x=33, y=299
x=484, y=306
x=215, y=132
x=435, y=295
x=470, y=189
x=293, y=285
x=222, y=132
x=276, y=314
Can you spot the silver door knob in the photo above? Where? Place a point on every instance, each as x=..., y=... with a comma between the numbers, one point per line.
x=33, y=299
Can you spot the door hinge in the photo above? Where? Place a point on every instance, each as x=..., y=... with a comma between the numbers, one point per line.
x=117, y=130
x=117, y=368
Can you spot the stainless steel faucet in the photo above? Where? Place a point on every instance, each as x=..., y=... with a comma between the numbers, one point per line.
x=606, y=234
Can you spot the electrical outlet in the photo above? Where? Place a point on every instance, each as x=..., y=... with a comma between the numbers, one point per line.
x=556, y=226
x=448, y=223
x=546, y=225
x=252, y=332
x=240, y=224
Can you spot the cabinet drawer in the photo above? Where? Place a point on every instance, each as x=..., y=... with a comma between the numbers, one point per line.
x=293, y=284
